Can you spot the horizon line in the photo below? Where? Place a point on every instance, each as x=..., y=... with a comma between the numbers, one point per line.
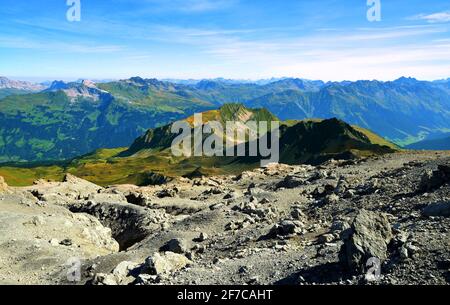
x=43, y=79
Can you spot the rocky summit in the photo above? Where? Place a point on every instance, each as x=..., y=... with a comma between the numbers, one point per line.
x=376, y=220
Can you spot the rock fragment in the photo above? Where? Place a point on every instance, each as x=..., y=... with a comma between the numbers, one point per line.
x=286, y=227
x=175, y=245
x=165, y=193
x=331, y=199
x=104, y=279
x=290, y=182
x=325, y=238
x=123, y=272
x=202, y=237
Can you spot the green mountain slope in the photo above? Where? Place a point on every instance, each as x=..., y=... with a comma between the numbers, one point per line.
x=318, y=141
x=161, y=138
x=310, y=141
x=9, y=91
x=74, y=119
x=403, y=111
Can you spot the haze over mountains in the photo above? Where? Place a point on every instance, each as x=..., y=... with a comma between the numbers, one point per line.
x=65, y=120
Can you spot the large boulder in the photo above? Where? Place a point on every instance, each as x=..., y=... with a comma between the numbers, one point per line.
x=432, y=180
x=123, y=273
x=166, y=263
x=368, y=237
x=437, y=209
x=72, y=189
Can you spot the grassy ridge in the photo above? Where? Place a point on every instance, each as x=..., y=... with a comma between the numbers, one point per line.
x=309, y=141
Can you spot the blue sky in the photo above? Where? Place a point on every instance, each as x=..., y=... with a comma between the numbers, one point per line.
x=241, y=39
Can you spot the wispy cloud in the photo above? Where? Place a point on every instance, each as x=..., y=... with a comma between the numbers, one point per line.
x=230, y=38
x=364, y=53
x=20, y=43
x=440, y=17
x=189, y=6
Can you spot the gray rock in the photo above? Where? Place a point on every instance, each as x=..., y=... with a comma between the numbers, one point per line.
x=66, y=242
x=104, y=279
x=122, y=272
x=264, y=201
x=286, y=227
x=106, y=197
x=339, y=226
x=432, y=180
x=331, y=199
x=325, y=238
x=137, y=199
x=146, y=279
x=216, y=206
x=349, y=194
x=167, y=193
x=297, y=213
x=368, y=237
x=213, y=191
x=231, y=226
x=167, y=263
x=175, y=245
x=290, y=182
x=437, y=209
x=202, y=237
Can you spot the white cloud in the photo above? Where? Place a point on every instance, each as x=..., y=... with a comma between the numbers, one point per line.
x=363, y=54
x=433, y=18
x=190, y=6
x=20, y=43
x=421, y=51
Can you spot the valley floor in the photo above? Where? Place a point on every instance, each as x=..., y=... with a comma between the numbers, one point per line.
x=278, y=225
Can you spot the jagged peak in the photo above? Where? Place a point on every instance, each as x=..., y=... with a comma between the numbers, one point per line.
x=6, y=83
x=406, y=80
x=58, y=85
x=137, y=80
x=88, y=83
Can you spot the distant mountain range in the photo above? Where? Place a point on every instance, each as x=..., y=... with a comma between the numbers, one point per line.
x=404, y=111
x=11, y=87
x=226, y=81
x=64, y=120
x=441, y=143
x=71, y=119
x=309, y=141
x=6, y=83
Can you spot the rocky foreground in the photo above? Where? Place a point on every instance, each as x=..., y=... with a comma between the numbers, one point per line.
x=278, y=225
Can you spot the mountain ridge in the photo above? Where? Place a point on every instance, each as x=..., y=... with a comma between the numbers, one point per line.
x=6, y=83
x=47, y=125
x=311, y=142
